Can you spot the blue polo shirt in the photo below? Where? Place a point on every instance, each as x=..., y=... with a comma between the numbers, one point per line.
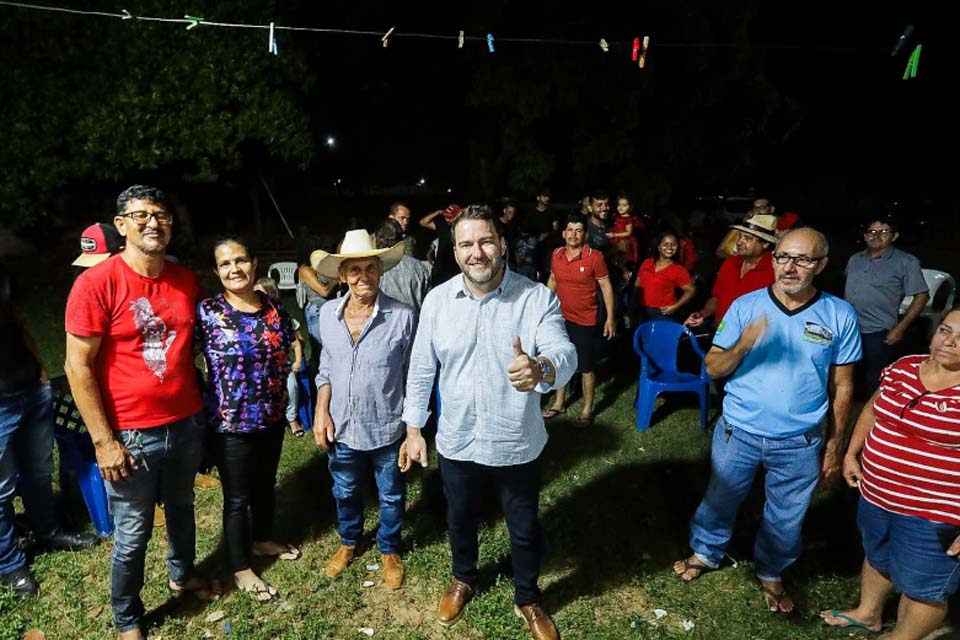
x=875, y=286
x=780, y=388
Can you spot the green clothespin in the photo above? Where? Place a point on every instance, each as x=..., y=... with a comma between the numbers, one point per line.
x=912, y=64
x=194, y=21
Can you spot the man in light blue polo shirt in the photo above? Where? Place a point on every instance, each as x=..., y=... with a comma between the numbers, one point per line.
x=878, y=278
x=790, y=349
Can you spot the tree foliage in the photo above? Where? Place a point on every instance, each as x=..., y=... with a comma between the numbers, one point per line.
x=92, y=99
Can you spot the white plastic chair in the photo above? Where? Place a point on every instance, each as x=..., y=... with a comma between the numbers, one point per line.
x=935, y=280
x=286, y=272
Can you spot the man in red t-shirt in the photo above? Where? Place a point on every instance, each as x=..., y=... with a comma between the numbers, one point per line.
x=749, y=270
x=129, y=323
x=576, y=271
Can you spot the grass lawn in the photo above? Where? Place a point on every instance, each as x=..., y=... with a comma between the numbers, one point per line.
x=614, y=510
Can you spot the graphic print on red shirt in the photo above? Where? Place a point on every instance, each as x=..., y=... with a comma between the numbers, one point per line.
x=145, y=364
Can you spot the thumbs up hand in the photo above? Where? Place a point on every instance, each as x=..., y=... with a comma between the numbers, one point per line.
x=523, y=370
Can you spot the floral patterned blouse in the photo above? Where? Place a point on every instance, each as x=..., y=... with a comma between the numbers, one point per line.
x=246, y=352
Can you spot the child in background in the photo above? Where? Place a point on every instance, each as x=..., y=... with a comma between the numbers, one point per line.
x=623, y=236
x=268, y=286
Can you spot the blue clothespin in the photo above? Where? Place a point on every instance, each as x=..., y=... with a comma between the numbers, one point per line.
x=490, y=42
x=272, y=42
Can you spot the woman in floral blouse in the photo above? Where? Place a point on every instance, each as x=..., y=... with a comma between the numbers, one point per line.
x=245, y=337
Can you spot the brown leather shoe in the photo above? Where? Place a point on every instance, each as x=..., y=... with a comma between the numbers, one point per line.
x=339, y=561
x=392, y=570
x=541, y=626
x=452, y=602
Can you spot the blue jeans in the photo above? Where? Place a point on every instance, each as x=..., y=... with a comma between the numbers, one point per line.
x=293, y=398
x=26, y=462
x=168, y=458
x=792, y=467
x=350, y=469
x=311, y=313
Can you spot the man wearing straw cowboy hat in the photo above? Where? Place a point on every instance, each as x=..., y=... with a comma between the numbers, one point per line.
x=366, y=339
x=749, y=270
x=497, y=337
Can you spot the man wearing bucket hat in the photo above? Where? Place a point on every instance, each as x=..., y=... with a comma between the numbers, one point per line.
x=750, y=269
x=497, y=337
x=366, y=338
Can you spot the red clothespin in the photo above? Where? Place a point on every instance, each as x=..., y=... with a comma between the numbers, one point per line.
x=636, y=49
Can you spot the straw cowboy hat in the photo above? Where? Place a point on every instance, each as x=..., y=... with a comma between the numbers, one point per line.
x=761, y=226
x=356, y=244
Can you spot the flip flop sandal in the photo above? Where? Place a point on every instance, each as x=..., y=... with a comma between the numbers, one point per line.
x=551, y=413
x=852, y=623
x=257, y=592
x=697, y=566
x=583, y=423
x=778, y=598
x=205, y=589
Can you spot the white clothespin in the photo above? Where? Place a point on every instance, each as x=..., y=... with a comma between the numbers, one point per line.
x=127, y=15
x=643, y=53
x=460, y=41
x=604, y=45
x=272, y=42
x=386, y=37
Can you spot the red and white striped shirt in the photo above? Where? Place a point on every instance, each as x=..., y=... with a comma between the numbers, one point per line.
x=911, y=458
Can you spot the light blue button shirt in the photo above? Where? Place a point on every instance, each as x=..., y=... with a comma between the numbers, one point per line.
x=483, y=418
x=366, y=377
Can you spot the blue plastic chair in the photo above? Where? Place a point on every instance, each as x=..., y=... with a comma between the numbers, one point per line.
x=656, y=344
x=78, y=455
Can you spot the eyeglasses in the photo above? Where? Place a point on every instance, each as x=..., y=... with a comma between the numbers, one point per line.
x=878, y=232
x=143, y=217
x=805, y=262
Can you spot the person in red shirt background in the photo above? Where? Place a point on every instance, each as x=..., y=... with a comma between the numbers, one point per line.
x=749, y=270
x=660, y=277
x=575, y=273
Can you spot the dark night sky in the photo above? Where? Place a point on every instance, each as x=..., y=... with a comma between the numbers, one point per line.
x=403, y=109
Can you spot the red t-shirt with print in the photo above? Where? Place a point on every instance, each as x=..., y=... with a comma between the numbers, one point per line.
x=145, y=365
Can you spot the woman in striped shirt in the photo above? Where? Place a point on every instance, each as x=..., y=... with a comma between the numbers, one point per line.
x=904, y=456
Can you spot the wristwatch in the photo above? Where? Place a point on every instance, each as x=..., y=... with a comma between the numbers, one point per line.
x=545, y=367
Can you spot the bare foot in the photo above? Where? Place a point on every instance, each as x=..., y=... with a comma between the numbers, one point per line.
x=854, y=619
x=259, y=589
x=689, y=569
x=276, y=549
x=132, y=634
x=777, y=597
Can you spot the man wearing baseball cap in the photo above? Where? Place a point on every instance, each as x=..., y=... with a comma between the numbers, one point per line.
x=97, y=243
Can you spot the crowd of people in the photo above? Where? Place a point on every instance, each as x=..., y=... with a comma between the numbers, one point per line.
x=509, y=308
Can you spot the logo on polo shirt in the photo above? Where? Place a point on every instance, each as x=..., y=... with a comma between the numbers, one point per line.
x=723, y=323
x=817, y=333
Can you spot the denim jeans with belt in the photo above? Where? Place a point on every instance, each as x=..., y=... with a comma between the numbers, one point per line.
x=792, y=468
x=350, y=470
x=168, y=457
x=26, y=462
